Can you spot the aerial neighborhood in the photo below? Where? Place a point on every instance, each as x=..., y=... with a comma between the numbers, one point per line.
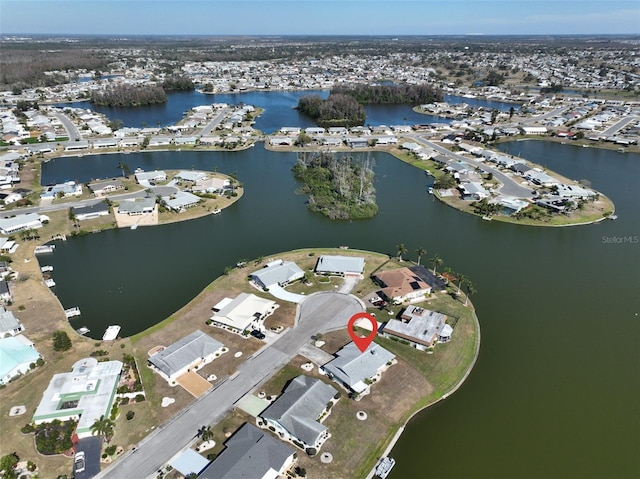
x=261, y=374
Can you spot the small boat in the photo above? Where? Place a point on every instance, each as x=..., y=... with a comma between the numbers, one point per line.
x=49, y=282
x=430, y=190
x=134, y=227
x=83, y=330
x=384, y=466
x=613, y=217
x=111, y=333
x=47, y=248
x=216, y=211
x=486, y=218
x=46, y=269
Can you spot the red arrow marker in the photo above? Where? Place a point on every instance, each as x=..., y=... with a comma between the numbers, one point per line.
x=362, y=343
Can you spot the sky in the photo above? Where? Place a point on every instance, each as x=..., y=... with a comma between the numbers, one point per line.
x=319, y=17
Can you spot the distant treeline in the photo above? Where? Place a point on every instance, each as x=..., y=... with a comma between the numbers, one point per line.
x=402, y=93
x=337, y=110
x=129, y=95
x=177, y=83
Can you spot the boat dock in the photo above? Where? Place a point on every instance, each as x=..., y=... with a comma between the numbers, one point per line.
x=47, y=248
x=111, y=333
x=384, y=466
x=71, y=312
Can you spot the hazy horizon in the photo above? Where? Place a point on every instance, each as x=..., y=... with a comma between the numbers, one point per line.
x=319, y=17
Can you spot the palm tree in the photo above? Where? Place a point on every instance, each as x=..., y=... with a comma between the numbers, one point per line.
x=402, y=249
x=435, y=262
x=450, y=274
x=420, y=252
x=470, y=290
x=103, y=427
x=205, y=433
x=461, y=279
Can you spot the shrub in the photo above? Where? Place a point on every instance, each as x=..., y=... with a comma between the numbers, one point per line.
x=28, y=428
x=130, y=415
x=124, y=401
x=312, y=451
x=61, y=341
x=140, y=397
x=110, y=450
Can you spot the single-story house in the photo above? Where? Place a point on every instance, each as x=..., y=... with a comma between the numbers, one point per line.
x=473, y=191
x=340, y=265
x=314, y=130
x=17, y=353
x=331, y=141
x=250, y=453
x=520, y=168
x=357, y=142
x=110, y=143
x=101, y=188
x=10, y=197
x=68, y=188
x=185, y=140
x=211, y=185
x=149, y=176
x=138, y=206
x=412, y=147
x=399, y=285
x=193, y=176
x=420, y=326
x=278, y=272
x=534, y=130
x=297, y=414
x=181, y=200
x=573, y=191
x=510, y=204
x=77, y=145
x=386, y=140
x=9, y=226
x=356, y=370
x=541, y=178
x=337, y=130
x=84, y=394
x=280, y=141
x=190, y=352
x=290, y=130
x=90, y=212
x=244, y=312
x=9, y=324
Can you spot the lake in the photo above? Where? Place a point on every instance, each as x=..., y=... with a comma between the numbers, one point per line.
x=555, y=391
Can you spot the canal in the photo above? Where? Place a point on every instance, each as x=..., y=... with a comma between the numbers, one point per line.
x=555, y=390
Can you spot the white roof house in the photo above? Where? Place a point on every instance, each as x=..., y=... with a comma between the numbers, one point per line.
x=181, y=200
x=191, y=175
x=16, y=355
x=87, y=392
x=352, y=368
x=147, y=176
x=192, y=351
x=9, y=324
x=20, y=222
x=341, y=265
x=280, y=273
x=241, y=313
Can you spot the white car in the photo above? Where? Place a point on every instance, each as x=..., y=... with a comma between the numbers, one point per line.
x=78, y=461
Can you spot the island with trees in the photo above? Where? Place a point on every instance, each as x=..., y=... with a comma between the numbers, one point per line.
x=337, y=110
x=129, y=95
x=340, y=187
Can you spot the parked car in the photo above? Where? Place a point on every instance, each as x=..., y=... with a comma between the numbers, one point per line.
x=78, y=461
x=256, y=333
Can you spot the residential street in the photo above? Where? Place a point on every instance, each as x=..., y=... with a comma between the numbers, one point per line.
x=72, y=130
x=509, y=187
x=319, y=312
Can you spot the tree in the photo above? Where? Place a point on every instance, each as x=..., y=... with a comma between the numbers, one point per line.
x=124, y=167
x=435, y=262
x=444, y=182
x=103, y=426
x=402, y=250
x=303, y=139
x=461, y=279
x=61, y=341
x=420, y=252
x=205, y=433
x=470, y=291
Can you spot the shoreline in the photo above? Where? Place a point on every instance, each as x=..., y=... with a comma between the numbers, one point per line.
x=458, y=385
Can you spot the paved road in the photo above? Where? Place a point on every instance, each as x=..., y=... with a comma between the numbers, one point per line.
x=546, y=116
x=70, y=204
x=318, y=313
x=618, y=126
x=510, y=187
x=213, y=123
x=72, y=130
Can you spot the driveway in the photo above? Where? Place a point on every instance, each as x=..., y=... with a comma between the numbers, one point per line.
x=279, y=292
x=92, y=447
